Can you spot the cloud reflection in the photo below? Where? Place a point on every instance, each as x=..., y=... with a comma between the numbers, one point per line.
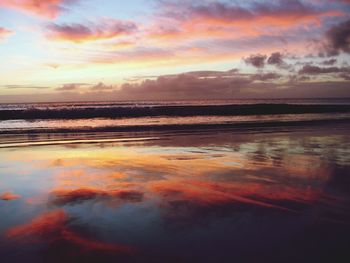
x=70, y=197
x=54, y=227
x=158, y=198
x=8, y=196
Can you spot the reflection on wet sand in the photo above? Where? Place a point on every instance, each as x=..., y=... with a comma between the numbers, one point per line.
x=64, y=197
x=52, y=228
x=8, y=196
x=185, y=197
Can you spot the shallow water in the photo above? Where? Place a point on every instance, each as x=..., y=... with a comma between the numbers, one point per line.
x=267, y=195
x=146, y=122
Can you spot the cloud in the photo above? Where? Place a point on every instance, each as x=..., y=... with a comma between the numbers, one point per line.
x=102, y=87
x=188, y=85
x=215, y=18
x=233, y=84
x=209, y=85
x=314, y=70
x=53, y=65
x=257, y=60
x=92, y=88
x=266, y=76
x=82, y=33
x=275, y=59
x=8, y=196
x=4, y=33
x=280, y=12
x=47, y=9
x=329, y=62
x=24, y=87
x=70, y=86
x=338, y=39
x=345, y=76
x=265, y=24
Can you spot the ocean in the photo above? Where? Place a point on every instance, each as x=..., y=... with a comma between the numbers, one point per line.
x=119, y=116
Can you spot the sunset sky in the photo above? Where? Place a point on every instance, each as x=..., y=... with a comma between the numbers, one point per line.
x=67, y=50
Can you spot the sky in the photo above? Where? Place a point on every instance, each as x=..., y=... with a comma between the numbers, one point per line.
x=78, y=50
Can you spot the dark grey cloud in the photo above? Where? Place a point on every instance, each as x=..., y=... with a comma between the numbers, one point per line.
x=338, y=39
x=257, y=60
x=275, y=59
x=345, y=76
x=329, y=62
x=314, y=70
x=265, y=76
x=295, y=79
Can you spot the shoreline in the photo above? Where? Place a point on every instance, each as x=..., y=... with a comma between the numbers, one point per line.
x=186, y=127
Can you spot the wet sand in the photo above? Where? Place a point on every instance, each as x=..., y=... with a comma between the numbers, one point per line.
x=225, y=194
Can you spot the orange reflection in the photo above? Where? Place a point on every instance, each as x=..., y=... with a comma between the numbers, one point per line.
x=52, y=226
x=42, y=225
x=257, y=174
x=217, y=193
x=8, y=196
x=63, y=196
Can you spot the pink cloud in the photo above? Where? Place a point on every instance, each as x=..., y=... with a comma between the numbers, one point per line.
x=47, y=8
x=4, y=33
x=278, y=13
x=82, y=33
x=227, y=20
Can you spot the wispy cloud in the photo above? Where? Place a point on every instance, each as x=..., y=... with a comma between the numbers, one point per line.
x=107, y=29
x=215, y=18
x=314, y=70
x=71, y=86
x=47, y=9
x=24, y=87
x=4, y=33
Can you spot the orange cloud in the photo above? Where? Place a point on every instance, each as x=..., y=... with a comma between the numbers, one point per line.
x=48, y=8
x=78, y=33
x=7, y=196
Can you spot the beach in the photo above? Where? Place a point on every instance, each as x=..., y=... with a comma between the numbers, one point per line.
x=214, y=193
